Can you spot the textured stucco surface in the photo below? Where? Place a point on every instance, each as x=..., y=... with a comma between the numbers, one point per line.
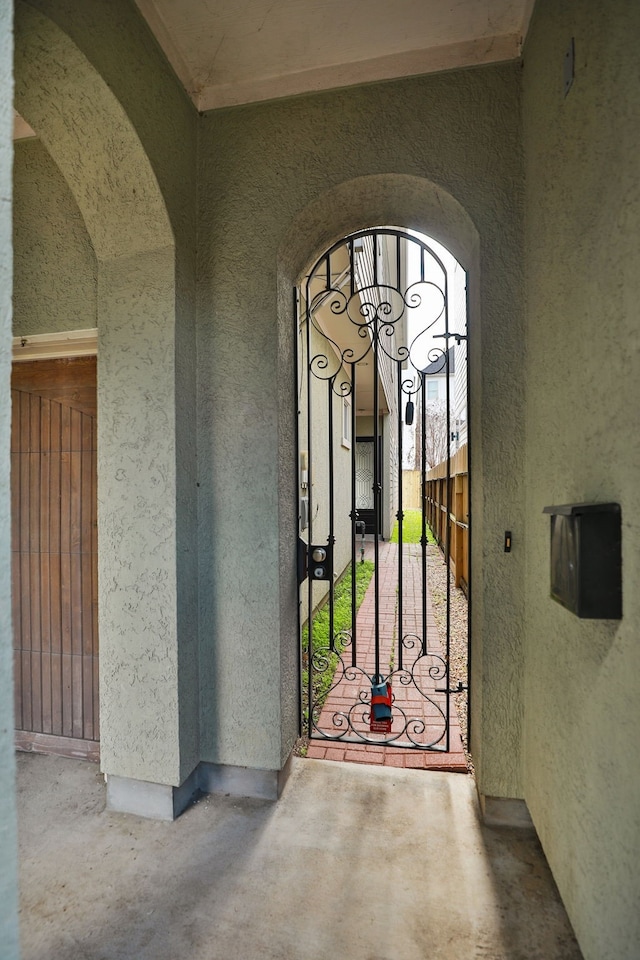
x=8, y=842
x=88, y=135
x=583, y=372
x=117, y=42
x=138, y=203
x=139, y=660
x=54, y=266
x=277, y=181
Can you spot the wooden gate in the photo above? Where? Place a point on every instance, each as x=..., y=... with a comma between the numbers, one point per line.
x=54, y=556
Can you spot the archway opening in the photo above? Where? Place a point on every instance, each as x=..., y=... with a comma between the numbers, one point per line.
x=77, y=117
x=383, y=500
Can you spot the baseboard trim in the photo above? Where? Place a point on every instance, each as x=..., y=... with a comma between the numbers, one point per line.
x=155, y=801
x=73, y=747
x=158, y=801
x=243, y=781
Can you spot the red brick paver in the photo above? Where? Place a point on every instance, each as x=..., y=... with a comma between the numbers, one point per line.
x=418, y=701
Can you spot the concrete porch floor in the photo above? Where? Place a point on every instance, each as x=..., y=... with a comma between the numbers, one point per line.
x=353, y=863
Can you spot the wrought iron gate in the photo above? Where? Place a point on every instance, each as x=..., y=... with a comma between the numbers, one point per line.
x=374, y=336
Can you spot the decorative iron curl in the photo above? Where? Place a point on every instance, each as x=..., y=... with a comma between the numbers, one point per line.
x=435, y=671
x=320, y=363
x=321, y=659
x=338, y=301
x=376, y=304
x=342, y=389
x=434, y=355
x=409, y=387
x=416, y=294
x=352, y=725
x=410, y=641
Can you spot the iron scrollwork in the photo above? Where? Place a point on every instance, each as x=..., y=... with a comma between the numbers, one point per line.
x=358, y=306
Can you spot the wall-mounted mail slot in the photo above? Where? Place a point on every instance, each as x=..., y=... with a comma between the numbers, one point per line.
x=586, y=559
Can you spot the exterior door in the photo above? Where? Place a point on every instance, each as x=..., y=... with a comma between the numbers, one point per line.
x=368, y=510
x=54, y=556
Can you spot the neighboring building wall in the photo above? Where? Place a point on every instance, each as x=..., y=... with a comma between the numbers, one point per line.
x=582, y=775
x=318, y=493
x=264, y=169
x=55, y=269
x=8, y=838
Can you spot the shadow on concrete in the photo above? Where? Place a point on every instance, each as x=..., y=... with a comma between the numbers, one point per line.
x=353, y=863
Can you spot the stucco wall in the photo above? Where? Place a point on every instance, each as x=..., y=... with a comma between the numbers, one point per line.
x=8, y=841
x=55, y=269
x=261, y=168
x=92, y=82
x=119, y=44
x=582, y=779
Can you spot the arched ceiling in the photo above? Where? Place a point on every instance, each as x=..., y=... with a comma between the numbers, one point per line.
x=228, y=52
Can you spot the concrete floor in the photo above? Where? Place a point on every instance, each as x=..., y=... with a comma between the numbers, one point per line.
x=353, y=863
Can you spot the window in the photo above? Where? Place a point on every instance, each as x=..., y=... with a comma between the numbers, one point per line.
x=433, y=389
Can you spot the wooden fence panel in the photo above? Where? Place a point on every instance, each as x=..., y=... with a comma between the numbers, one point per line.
x=447, y=508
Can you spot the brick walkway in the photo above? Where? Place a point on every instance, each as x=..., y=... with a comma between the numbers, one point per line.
x=417, y=708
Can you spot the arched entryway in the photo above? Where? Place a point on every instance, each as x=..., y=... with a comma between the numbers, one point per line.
x=383, y=493
x=92, y=141
x=351, y=208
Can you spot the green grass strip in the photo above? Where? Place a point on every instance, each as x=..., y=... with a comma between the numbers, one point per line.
x=341, y=621
x=411, y=528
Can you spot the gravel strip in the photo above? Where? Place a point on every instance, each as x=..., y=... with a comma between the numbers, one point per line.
x=459, y=632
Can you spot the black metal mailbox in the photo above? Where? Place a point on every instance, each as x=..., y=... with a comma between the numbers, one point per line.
x=586, y=559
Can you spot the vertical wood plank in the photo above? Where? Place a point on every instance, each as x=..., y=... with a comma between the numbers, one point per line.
x=67, y=695
x=65, y=630
x=45, y=621
x=94, y=544
x=56, y=694
x=17, y=699
x=87, y=697
x=36, y=691
x=16, y=595
x=77, y=724
x=25, y=670
x=25, y=600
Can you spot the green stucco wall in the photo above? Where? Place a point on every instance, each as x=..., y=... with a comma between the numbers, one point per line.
x=92, y=82
x=261, y=169
x=582, y=779
x=55, y=269
x=8, y=838
x=119, y=45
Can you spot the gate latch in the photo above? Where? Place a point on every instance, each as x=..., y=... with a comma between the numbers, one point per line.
x=315, y=561
x=320, y=561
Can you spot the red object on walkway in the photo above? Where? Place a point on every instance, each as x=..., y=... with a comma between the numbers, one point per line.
x=380, y=720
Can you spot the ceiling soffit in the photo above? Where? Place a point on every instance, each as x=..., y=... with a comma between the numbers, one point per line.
x=228, y=52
